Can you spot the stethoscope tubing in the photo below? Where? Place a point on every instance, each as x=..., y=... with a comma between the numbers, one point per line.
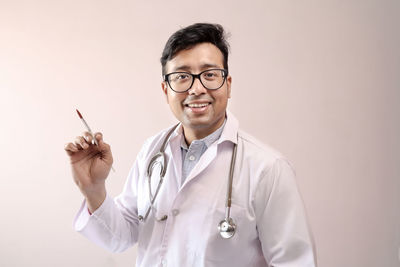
x=160, y=154
x=226, y=227
x=229, y=189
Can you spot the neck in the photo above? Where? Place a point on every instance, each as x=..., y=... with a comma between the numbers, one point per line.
x=192, y=134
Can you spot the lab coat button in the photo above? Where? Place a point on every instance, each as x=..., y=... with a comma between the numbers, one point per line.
x=175, y=212
x=164, y=263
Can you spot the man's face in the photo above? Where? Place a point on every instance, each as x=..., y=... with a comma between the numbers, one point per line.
x=205, y=119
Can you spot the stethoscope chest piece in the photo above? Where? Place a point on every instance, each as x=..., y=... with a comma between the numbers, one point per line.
x=227, y=228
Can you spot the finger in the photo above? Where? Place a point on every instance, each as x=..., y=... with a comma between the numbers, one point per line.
x=100, y=141
x=70, y=148
x=98, y=136
x=88, y=137
x=104, y=148
x=106, y=152
x=102, y=144
x=80, y=143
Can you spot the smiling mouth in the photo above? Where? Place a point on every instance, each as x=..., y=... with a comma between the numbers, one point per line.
x=202, y=105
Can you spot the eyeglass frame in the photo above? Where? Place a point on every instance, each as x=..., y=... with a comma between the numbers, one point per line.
x=194, y=76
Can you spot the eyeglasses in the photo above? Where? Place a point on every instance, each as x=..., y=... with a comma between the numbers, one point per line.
x=211, y=79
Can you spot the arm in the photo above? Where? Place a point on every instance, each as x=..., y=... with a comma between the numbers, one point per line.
x=281, y=220
x=114, y=225
x=107, y=223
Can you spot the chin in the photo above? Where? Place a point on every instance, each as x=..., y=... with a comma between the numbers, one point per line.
x=198, y=123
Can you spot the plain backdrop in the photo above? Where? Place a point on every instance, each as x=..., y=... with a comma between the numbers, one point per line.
x=317, y=80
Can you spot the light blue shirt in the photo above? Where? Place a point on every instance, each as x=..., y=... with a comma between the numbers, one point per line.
x=191, y=155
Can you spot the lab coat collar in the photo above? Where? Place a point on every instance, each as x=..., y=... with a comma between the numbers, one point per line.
x=230, y=130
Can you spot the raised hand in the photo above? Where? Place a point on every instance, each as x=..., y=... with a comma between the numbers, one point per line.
x=90, y=166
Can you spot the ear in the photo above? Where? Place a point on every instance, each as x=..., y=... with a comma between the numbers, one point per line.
x=164, y=87
x=228, y=84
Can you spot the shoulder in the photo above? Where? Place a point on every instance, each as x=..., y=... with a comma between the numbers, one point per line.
x=260, y=156
x=267, y=168
x=254, y=147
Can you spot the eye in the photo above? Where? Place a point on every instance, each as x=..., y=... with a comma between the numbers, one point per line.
x=181, y=77
x=211, y=75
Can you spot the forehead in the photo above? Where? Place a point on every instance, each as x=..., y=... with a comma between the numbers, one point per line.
x=197, y=58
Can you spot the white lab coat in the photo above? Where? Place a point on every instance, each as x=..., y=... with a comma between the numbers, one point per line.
x=271, y=224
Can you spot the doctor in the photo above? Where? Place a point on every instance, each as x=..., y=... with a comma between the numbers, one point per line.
x=203, y=193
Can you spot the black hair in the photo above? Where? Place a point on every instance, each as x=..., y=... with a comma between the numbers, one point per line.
x=192, y=35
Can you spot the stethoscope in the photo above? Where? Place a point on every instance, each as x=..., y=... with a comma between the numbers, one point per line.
x=226, y=227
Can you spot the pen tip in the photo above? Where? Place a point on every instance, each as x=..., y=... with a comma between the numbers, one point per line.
x=80, y=115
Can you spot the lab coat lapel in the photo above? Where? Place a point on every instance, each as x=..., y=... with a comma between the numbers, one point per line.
x=228, y=134
x=174, y=150
x=205, y=160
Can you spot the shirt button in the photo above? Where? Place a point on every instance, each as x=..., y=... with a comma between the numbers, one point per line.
x=191, y=158
x=164, y=263
x=175, y=212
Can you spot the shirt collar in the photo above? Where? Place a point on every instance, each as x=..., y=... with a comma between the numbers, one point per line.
x=229, y=130
x=208, y=140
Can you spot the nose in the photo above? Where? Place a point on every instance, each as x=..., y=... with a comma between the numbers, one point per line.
x=197, y=88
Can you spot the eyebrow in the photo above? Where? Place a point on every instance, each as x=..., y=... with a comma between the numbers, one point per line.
x=202, y=67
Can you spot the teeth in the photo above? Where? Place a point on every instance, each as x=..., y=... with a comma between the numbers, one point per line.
x=198, y=105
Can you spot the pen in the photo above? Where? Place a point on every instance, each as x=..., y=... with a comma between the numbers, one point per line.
x=90, y=131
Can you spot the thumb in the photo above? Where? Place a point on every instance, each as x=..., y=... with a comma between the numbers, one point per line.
x=104, y=148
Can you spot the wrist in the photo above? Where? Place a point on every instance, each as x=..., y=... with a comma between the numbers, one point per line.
x=93, y=202
x=93, y=190
x=95, y=196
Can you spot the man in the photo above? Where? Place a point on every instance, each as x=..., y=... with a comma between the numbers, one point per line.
x=178, y=213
